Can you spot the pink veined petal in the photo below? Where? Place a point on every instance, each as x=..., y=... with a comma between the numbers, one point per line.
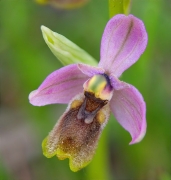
x=59, y=87
x=129, y=109
x=123, y=41
x=90, y=70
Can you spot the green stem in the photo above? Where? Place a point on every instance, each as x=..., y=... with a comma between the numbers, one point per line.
x=99, y=167
x=119, y=7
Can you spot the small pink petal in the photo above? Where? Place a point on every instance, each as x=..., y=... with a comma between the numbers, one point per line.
x=129, y=109
x=90, y=70
x=59, y=87
x=123, y=41
x=116, y=83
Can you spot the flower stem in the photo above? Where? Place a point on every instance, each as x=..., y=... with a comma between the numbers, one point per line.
x=99, y=167
x=119, y=7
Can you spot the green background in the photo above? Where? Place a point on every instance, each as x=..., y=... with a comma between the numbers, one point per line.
x=25, y=60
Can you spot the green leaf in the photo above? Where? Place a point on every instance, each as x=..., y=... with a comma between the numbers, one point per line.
x=119, y=7
x=65, y=50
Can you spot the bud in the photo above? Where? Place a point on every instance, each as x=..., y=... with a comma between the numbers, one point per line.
x=42, y=1
x=65, y=50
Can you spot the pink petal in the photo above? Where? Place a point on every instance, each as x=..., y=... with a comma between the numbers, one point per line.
x=123, y=41
x=90, y=70
x=59, y=87
x=129, y=110
x=117, y=84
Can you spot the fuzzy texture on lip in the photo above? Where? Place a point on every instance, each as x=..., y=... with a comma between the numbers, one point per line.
x=74, y=138
x=123, y=41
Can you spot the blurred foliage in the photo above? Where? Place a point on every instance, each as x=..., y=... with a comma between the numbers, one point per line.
x=63, y=4
x=25, y=60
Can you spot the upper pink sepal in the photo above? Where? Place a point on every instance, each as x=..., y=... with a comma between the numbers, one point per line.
x=59, y=87
x=129, y=109
x=123, y=41
x=90, y=70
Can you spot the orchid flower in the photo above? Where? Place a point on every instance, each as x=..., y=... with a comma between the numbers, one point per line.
x=92, y=92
